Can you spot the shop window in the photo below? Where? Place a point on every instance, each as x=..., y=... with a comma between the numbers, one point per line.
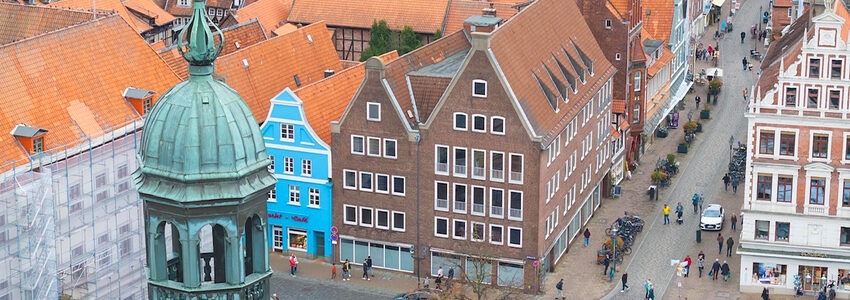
x=812, y=277
x=783, y=231
x=770, y=274
x=510, y=274
x=297, y=240
x=844, y=279
x=845, y=236
x=479, y=270
x=762, y=230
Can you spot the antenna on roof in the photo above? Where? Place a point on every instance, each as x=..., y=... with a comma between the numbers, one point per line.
x=93, y=11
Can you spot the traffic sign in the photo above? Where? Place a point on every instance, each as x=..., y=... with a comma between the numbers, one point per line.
x=334, y=237
x=334, y=230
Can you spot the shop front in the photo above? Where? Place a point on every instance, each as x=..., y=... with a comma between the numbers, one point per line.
x=300, y=233
x=782, y=274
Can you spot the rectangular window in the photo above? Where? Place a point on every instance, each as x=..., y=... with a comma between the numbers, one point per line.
x=478, y=200
x=273, y=194
x=516, y=168
x=479, y=123
x=477, y=234
x=497, y=200
x=767, y=139
x=459, y=231
x=515, y=212
x=814, y=67
x=515, y=237
x=382, y=183
x=373, y=111
x=441, y=160
x=366, y=181
x=762, y=230
x=398, y=221
x=497, y=166
x=637, y=81
x=835, y=69
x=817, y=190
x=441, y=195
x=783, y=231
x=357, y=145
x=294, y=194
x=787, y=143
x=350, y=179
x=390, y=148
x=74, y=192
x=398, y=185
x=608, y=24
x=845, y=193
x=784, y=191
x=478, y=164
x=183, y=3
x=125, y=247
x=764, y=186
x=791, y=97
x=844, y=240
x=460, y=162
x=459, y=198
x=496, y=234
x=497, y=125
x=374, y=146
x=288, y=165
x=479, y=88
x=123, y=171
x=460, y=121
x=306, y=167
x=382, y=219
x=441, y=227
x=350, y=216
x=366, y=217
x=287, y=132
x=314, y=197
x=100, y=181
x=271, y=163
x=820, y=146
x=812, y=99
x=847, y=147
x=834, y=99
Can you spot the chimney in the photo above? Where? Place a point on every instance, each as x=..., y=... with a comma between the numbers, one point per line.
x=31, y=138
x=140, y=99
x=489, y=11
x=487, y=22
x=329, y=73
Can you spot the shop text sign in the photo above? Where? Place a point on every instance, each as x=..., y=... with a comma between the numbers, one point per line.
x=299, y=219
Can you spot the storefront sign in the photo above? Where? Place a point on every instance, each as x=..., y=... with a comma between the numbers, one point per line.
x=812, y=254
x=294, y=218
x=299, y=219
x=274, y=216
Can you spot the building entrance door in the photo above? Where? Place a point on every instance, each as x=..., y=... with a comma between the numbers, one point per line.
x=277, y=237
x=320, y=243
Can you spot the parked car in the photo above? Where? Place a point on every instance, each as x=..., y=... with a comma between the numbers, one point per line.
x=422, y=294
x=712, y=218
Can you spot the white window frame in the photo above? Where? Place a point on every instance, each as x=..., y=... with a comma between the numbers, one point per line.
x=271, y=165
x=521, y=171
x=272, y=194
x=349, y=185
x=306, y=167
x=465, y=122
x=844, y=148
x=371, y=219
x=448, y=196
x=314, y=198
x=483, y=236
x=509, y=237
x=393, y=223
x=509, y=205
x=465, y=197
x=404, y=185
x=371, y=181
x=377, y=217
x=369, y=106
x=185, y=3
x=448, y=227
x=454, y=226
x=501, y=234
x=484, y=120
x=378, y=187
x=369, y=150
x=287, y=132
x=395, y=148
x=608, y=23
x=493, y=125
x=483, y=166
x=474, y=81
x=362, y=144
x=345, y=214
x=437, y=159
x=465, y=162
x=829, y=143
x=490, y=204
x=288, y=165
x=297, y=190
x=472, y=200
x=503, y=170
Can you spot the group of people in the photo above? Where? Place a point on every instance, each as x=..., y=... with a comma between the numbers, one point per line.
x=440, y=278
x=730, y=180
x=346, y=269
x=707, y=53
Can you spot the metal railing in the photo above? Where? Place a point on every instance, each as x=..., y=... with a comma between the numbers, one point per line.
x=497, y=174
x=515, y=213
x=460, y=205
x=478, y=172
x=443, y=203
x=516, y=176
x=460, y=170
x=478, y=208
x=442, y=168
x=496, y=211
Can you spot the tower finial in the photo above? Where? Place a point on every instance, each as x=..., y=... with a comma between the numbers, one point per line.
x=200, y=50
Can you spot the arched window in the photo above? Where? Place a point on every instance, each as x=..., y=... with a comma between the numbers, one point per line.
x=255, y=245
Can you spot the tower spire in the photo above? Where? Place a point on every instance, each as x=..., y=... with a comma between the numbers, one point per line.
x=200, y=49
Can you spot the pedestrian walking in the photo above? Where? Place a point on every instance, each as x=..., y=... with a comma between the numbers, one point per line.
x=821, y=296
x=734, y=221
x=743, y=35
x=719, y=243
x=293, y=265
x=333, y=271
x=346, y=270
x=440, y=271
x=831, y=294
x=426, y=283
x=735, y=184
x=697, y=101
x=715, y=269
x=606, y=262
x=438, y=281
x=687, y=265
x=647, y=285
x=745, y=63
x=666, y=211
x=369, y=266
x=729, y=243
x=726, y=182
x=745, y=93
x=586, y=236
x=679, y=211
x=651, y=294
x=451, y=275
x=765, y=295
x=724, y=270
x=275, y=297
x=701, y=263
x=365, y=270
x=560, y=288
x=625, y=280
x=695, y=202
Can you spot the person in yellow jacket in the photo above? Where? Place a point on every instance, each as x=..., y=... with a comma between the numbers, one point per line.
x=666, y=211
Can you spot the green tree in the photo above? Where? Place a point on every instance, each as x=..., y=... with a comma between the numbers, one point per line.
x=409, y=40
x=379, y=42
x=438, y=34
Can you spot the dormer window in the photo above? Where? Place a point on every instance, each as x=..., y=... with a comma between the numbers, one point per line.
x=38, y=145
x=31, y=138
x=140, y=99
x=479, y=88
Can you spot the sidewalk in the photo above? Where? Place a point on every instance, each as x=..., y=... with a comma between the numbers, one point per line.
x=317, y=269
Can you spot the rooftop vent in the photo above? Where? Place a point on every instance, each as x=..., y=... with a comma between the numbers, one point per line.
x=329, y=73
x=297, y=80
x=245, y=63
x=310, y=38
x=648, y=12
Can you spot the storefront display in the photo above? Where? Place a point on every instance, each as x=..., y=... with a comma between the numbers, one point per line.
x=297, y=240
x=843, y=282
x=767, y=273
x=812, y=277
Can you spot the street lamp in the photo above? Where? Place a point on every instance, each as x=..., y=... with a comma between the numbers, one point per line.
x=731, y=143
x=614, y=247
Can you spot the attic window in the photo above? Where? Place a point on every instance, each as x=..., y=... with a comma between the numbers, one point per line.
x=617, y=56
x=297, y=80
x=183, y=3
x=148, y=103
x=38, y=145
x=140, y=99
x=479, y=88
x=608, y=24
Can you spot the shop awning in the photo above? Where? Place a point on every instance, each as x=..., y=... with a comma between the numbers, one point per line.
x=717, y=2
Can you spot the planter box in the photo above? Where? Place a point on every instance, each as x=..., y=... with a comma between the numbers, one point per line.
x=661, y=134
x=704, y=115
x=682, y=148
x=699, y=127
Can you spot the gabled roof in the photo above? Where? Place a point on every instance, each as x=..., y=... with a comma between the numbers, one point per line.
x=651, y=44
x=422, y=16
x=105, y=5
x=621, y=6
x=71, y=81
x=659, y=21
x=150, y=10
x=18, y=22
x=244, y=34
x=459, y=10
x=535, y=40
x=783, y=51
x=325, y=100
x=273, y=65
x=185, y=11
x=270, y=13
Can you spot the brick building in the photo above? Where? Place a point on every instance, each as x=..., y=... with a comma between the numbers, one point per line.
x=485, y=150
x=797, y=199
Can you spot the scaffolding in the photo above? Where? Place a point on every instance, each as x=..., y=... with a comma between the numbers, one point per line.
x=78, y=222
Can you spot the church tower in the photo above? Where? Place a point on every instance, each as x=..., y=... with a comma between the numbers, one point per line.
x=204, y=180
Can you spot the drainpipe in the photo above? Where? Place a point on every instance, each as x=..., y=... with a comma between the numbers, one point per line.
x=414, y=251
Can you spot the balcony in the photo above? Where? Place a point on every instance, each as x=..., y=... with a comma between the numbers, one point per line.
x=516, y=176
x=442, y=204
x=460, y=205
x=477, y=208
x=496, y=211
x=515, y=213
x=442, y=168
x=460, y=170
x=497, y=175
x=478, y=172
x=816, y=210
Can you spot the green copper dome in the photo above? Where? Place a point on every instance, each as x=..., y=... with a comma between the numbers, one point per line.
x=200, y=140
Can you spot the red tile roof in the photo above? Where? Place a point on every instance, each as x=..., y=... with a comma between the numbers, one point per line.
x=105, y=5
x=71, y=82
x=422, y=16
x=274, y=63
x=270, y=13
x=325, y=100
x=618, y=106
x=659, y=21
x=460, y=10
x=783, y=51
x=150, y=10
x=246, y=34
x=535, y=38
x=18, y=22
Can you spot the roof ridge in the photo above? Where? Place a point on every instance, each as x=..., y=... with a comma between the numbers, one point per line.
x=87, y=22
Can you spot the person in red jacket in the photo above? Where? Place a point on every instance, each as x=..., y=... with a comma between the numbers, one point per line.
x=687, y=265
